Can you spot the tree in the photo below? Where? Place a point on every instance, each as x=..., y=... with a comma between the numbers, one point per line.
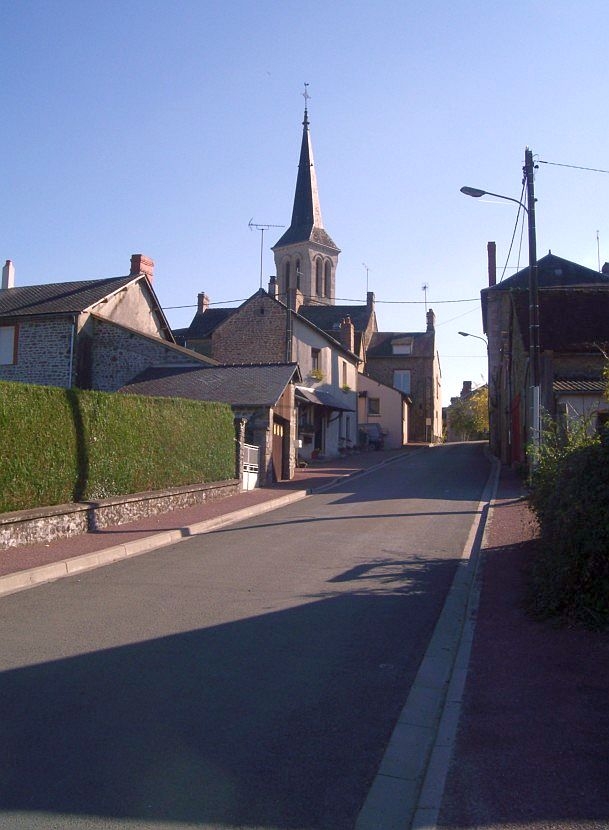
x=468, y=417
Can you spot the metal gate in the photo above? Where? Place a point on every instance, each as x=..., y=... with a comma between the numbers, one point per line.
x=250, y=466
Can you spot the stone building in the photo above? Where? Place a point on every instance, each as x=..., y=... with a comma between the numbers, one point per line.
x=92, y=334
x=574, y=341
x=409, y=362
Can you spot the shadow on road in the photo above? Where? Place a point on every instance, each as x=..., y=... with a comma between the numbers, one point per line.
x=279, y=720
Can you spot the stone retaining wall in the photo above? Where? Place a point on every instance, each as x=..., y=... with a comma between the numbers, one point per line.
x=44, y=524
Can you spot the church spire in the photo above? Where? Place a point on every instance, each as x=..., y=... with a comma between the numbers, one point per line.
x=307, y=223
x=306, y=256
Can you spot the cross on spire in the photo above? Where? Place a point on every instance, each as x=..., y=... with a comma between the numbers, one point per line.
x=306, y=96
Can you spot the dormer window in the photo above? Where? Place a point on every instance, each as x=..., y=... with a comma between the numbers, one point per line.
x=402, y=346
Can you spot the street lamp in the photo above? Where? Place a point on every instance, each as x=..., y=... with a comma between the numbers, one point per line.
x=535, y=433
x=477, y=336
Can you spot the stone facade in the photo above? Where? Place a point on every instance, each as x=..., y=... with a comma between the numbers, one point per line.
x=119, y=354
x=255, y=333
x=45, y=353
x=414, y=352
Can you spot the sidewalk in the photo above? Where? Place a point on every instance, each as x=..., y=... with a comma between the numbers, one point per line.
x=28, y=565
x=532, y=748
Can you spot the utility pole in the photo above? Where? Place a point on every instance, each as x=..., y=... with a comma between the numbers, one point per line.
x=533, y=302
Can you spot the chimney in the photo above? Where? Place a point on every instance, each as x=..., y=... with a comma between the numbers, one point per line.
x=467, y=388
x=491, y=250
x=347, y=334
x=202, y=303
x=273, y=289
x=431, y=320
x=8, y=275
x=141, y=264
x=370, y=300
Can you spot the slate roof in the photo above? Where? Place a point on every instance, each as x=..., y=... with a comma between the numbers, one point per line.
x=58, y=297
x=570, y=319
x=322, y=397
x=203, y=324
x=329, y=317
x=238, y=385
x=381, y=343
x=553, y=271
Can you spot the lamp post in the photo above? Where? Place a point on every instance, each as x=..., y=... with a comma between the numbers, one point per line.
x=477, y=336
x=535, y=425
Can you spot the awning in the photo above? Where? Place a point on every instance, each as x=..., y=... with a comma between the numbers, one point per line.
x=320, y=397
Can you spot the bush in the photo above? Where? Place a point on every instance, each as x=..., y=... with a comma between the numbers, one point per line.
x=570, y=485
x=63, y=445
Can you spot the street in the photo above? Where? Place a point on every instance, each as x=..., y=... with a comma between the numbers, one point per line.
x=247, y=678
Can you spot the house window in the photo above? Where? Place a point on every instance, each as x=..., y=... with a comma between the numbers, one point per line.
x=318, y=277
x=344, y=374
x=315, y=359
x=287, y=276
x=401, y=380
x=8, y=345
x=298, y=274
x=374, y=406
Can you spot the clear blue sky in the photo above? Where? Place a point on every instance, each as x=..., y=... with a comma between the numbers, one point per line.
x=142, y=126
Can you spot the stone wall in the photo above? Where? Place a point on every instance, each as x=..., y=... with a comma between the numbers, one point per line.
x=256, y=333
x=118, y=355
x=45, y=524
x=44, y=351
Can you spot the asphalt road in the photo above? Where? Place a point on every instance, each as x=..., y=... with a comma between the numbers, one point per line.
x=248, y=678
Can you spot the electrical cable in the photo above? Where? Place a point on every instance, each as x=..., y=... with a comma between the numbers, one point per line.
x=573, y=166
x=507, y=259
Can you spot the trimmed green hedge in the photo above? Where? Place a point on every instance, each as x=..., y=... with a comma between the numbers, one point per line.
x=65, y=445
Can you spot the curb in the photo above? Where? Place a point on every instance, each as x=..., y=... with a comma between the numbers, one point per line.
x=41, y=574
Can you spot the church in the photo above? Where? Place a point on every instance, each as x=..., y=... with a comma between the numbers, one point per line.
x=356, y=382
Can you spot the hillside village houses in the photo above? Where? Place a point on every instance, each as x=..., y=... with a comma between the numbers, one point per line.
x=305, y=376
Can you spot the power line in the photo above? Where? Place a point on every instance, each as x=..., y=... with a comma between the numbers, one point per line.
x=507, y=259
x=340, y=299
x=573, y=166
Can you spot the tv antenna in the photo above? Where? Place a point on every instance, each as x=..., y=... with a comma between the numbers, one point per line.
x=367, y=272
x=424, y=288
x=262, y=228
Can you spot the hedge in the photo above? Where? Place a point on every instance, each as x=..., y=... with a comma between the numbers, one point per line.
x=66, y=445
x=570, y=575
